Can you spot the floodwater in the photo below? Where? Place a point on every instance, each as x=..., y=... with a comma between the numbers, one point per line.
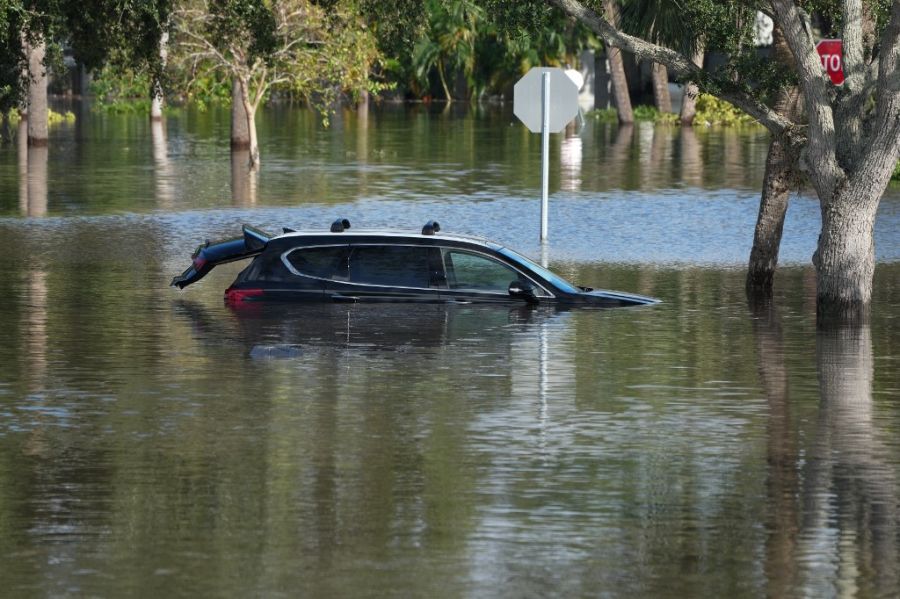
x=159, y=443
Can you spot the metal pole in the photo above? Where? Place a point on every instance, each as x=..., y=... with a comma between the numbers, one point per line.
x=545, y=150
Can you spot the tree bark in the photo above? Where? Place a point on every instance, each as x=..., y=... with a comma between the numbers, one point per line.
x=156, y=92
x=777, y=183
x=617, y=71
x=661, y=87
x=250, y=113
x=691, y=91
x=845, y=256
x=240, y=135
x=780, y=177
x=37, y=95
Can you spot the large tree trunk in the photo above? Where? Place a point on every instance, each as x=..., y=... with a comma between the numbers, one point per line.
x=780, y=177
x=661, y=87
x=691, y=91
x=156, y=91
x=37, y=95
x=240, y=134
x=617, y=70
x=845, y=256
x=250, y=113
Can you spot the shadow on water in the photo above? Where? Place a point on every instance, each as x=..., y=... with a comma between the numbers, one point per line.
x=832, y=525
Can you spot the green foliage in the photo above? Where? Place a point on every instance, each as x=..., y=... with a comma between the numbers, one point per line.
x=713, y=111
x=448, y=41
x=469, y=38
x=55, y=118
x=296, y=48
x=646, y=113
x=604, y=115
x=896, y=175
x=121, y=89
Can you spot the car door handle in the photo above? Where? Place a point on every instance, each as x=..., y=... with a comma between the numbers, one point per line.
x=337, y=297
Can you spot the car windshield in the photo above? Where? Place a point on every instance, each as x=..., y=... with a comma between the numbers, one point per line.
x=556, y=280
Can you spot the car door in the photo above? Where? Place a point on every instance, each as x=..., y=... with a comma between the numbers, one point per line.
x=476, y=277
x=390, y=273
x=313, y=267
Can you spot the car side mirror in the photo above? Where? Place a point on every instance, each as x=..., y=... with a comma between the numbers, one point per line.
x=523, y=290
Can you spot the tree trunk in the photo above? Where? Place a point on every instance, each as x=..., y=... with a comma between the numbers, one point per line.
x=240, y=135
x=156, y=91
x=250, y=113
x=37, y=95
x=779, y=178
x=617, y=70
x=661, y=87
x=845, y=256
x=777, y=183
x=243, y=179
x=443, y=78
x=689, y=99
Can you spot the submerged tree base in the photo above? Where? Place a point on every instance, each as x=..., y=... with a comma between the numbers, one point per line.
x=834, y=315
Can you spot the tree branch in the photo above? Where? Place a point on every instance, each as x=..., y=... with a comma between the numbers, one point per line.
x=678, y=64
x=814, y=82
x=883, y=149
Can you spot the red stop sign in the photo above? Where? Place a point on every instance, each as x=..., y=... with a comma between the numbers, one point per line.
x=831, y=53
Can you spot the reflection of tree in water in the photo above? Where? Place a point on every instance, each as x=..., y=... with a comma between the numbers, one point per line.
x=691, y=159
x=832, y=521
x=163, y=174
x=781, y=452
x=243, y=179
x=32, y=175
x=570, y=158
x=850, y=489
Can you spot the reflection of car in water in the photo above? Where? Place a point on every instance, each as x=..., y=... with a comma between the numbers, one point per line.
x=384, y=266
x=289, y=331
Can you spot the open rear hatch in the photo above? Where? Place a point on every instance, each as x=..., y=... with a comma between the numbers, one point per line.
x=209, y=255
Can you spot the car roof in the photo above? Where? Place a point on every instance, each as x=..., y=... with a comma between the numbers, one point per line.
x=397, y=235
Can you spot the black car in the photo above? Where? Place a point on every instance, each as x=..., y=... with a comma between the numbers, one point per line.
x=386, y=266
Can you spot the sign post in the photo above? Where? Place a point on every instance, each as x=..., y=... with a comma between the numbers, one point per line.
x=545, y=151
x=545, y=99
x=832, y=54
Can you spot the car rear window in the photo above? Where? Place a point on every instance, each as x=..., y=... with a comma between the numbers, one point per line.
x=321, y=262
x=396, y=266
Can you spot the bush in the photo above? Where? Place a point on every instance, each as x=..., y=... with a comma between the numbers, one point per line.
x=713, y=111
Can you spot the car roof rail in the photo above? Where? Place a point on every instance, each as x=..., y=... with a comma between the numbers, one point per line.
x=339, y=225
x=431, y=227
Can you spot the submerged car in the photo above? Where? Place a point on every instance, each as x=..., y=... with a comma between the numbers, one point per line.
x=388, y=266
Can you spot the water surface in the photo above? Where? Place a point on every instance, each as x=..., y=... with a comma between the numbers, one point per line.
x=155, y=442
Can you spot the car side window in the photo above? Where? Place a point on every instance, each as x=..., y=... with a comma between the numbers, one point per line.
x=397, y=266
x=321, y=262
x=476, y=272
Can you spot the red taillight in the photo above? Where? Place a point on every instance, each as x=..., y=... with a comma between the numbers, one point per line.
x=240, y=295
